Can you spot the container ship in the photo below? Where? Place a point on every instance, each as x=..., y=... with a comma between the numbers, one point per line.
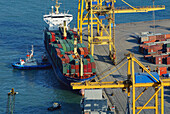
x=70, y=59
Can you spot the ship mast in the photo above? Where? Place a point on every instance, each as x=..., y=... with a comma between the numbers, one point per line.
x=57, y=6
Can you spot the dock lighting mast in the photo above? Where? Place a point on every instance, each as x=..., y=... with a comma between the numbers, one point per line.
x=130, y=86
x=95, y=13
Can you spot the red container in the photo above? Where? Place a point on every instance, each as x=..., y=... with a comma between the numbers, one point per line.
x=148, y=41
x=168, y=49
x=64, y=60
x=59, y=46
x=53, y=37
x=89, y=68
x=58, y=51
x=68, y=71
x=167, y=36
x=168, y=60
x=85, y=51
x=164, y=56
x=154, y=48
x=77, y=70
x=162, y=39
x=159, y=37
x=158, y=60
x=72, y=66
x=162, y=70
x=93, y=65
x=85, y=68
x=81, y=51
x=76, y=66
x=152, y=38
x=67, y=58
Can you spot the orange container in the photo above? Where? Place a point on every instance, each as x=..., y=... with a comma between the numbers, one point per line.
x=167, y=36
x=162, y=70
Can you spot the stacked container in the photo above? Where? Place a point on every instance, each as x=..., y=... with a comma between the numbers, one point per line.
x=63, y=56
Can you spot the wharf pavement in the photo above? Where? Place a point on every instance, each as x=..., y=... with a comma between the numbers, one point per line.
x=125, y=41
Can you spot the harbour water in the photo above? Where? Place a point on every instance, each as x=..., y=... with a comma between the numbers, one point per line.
x=21, y=25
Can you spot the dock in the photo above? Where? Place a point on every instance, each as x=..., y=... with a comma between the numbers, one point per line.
x=125, y=41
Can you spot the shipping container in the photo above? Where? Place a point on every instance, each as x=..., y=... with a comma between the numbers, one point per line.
x=146, y=78
x=144, y=38
x=158, y=60
x=167, y=36
x=168, y=60
x=162, y=70
x=152, y=38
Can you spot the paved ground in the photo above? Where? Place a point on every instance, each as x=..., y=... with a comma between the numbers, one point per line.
x=126, y=41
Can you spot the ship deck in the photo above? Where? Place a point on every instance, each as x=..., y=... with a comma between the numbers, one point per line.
x=125, y=39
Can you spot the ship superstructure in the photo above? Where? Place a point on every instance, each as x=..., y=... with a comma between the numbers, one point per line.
x=56, y=19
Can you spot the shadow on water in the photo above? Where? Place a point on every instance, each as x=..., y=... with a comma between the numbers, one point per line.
x=161, y=27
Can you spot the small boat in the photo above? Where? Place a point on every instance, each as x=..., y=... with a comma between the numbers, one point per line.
x=32, y=63
x=54, y=107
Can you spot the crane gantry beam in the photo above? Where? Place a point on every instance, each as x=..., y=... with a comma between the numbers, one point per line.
x=94, y=13
x=131, y=85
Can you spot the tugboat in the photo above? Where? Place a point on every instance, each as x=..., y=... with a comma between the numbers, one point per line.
x=31, y=63
x=54, y=107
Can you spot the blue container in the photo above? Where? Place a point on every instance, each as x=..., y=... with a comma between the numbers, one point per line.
x=102, y=17
x=146, y=78
x=94, y=3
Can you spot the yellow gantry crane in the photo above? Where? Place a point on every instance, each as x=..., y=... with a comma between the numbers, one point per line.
x=101, y=12
x=130, y=86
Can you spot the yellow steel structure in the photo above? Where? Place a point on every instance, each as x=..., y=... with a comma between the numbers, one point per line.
x=130, y=85
x=94, y=12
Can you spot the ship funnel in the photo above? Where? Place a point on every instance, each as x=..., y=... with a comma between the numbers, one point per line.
x=65, y=33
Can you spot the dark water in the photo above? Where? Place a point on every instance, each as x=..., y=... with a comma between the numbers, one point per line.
x=21, y=25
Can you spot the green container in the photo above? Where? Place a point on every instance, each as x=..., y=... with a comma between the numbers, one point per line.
x=82, y=45
x=49, y=35
x=85, y=61
x=62, y=51
x=65, y=68
x=73, y=71
x=68, y=66
x=93, y=70
x=55, y=45
x=168, y=45
x=78, y=45
x=76, y=61
x=70, y=57
x=67, y=46
x=91, y=58
x=61, y=41
x=70, y=44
